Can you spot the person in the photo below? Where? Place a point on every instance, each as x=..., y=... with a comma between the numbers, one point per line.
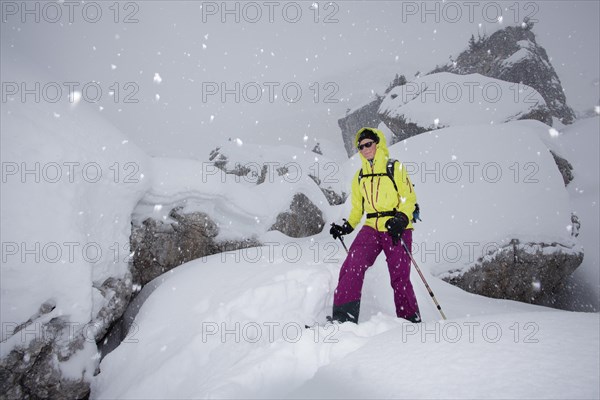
x=388, y=204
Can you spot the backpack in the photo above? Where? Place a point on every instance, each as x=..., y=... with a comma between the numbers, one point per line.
x=389, y=172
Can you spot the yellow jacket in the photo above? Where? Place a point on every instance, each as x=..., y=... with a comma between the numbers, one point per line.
x=377, y=193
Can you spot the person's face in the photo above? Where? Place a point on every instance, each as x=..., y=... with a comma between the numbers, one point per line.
x=367, y=148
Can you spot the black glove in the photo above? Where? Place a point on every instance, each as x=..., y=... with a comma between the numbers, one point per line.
x=338, y=231
x=396, y=225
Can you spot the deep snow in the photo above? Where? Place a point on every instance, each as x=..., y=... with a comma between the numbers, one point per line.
x=176, y=348
x=237, y=319
x=226, y=328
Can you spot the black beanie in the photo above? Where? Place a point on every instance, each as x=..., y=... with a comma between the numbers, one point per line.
x=368, y=134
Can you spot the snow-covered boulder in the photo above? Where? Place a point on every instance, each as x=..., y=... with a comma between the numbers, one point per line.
x=195, y=209
x=513, y=55
x=161, y=245
x=252, y=164
x=482, y=189
x=528, y=272
x=70, y=182
x=444, y=99
x=303, y=218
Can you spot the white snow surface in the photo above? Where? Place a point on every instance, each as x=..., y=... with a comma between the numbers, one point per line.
x=233, y=325
x=480, y=186
x=579, y=143
x=226, y=328
x=239, y=206
x=445, y=99
x=237, y=319
x=70, y=182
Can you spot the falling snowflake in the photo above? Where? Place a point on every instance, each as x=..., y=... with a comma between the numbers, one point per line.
x=75, y=97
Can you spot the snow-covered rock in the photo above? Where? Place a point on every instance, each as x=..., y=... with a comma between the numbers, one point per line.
x=251, y=164
x=70, y=182
x=444, y=99
x=513, y=55
x=528, y=272
x=366, y=115
x=195, y=209
x=303, y=218
x=161, y=245
x=479, y=189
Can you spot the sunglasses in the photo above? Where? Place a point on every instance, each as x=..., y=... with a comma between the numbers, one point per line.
x=367, y=145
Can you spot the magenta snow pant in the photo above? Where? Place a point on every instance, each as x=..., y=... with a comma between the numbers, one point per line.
x=362, y=254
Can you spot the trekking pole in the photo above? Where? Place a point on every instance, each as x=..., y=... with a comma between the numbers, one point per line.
x=343, y=244
x=423, y=278
x=418, y=270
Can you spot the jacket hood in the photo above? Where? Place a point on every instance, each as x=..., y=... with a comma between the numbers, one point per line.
x=382, y=150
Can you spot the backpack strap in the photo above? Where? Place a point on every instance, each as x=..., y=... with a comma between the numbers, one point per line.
x=389, y=172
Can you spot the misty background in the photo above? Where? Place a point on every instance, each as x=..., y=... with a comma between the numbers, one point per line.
x=167, y=56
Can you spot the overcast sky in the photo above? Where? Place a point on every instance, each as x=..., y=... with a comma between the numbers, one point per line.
x=175, y=58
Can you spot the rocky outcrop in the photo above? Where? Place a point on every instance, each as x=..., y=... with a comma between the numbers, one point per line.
x=302, y=220
x=117, y=294
x=160, y=246
x=364, y=116
x=513, y=55
x=33, y=372
x=255, y=172
x=527, y=272
x=565, y=167
x=333, y=198
x=442, y=100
